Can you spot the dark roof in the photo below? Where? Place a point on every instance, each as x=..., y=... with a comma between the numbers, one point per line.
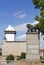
x=15, y=41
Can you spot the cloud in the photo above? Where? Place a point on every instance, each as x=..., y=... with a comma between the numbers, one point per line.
x=20, y=14
x=35, y=22
x=22, y=27
x=17, y=13
x=21, y=37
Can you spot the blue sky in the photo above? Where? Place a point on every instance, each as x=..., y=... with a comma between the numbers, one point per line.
x=16, y=12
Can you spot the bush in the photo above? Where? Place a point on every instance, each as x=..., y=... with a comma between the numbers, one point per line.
x=18, y=58
x=23, y=55
x=0, y=53
x=41, y=57
x=10, y=58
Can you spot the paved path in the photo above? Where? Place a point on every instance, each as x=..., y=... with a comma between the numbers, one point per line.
x=14, y=63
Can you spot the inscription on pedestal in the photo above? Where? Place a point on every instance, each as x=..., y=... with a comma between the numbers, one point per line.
x=33, y=46
x=33, y=49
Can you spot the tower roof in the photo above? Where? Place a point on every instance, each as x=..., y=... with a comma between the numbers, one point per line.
x=10, y=28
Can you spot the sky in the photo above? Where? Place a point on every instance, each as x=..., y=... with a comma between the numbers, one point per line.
x=16, y=13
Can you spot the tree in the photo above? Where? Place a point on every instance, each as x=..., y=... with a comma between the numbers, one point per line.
x=39, y=4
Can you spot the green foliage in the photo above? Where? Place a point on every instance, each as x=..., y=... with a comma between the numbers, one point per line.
x=18, y=58
x=42, y=61
x=37, y=17
x=39, y=4
x=23, y=55
x=10, y=57
x=41, y=57
x=42, y=13
x=36, y=3
x=0, y=53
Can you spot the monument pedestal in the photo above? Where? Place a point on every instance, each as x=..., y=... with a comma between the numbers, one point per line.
x=33, y=46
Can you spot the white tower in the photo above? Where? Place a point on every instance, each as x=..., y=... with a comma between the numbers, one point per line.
x=10, y=33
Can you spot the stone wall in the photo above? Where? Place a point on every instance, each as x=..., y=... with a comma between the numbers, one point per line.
x=14, y=48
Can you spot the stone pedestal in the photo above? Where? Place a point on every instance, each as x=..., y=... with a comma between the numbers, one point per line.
x=33, y=46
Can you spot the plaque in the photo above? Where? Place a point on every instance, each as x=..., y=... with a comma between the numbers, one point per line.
x=33, y=46
x=33, y=51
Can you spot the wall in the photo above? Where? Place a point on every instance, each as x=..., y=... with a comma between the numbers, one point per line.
x=14, y=48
